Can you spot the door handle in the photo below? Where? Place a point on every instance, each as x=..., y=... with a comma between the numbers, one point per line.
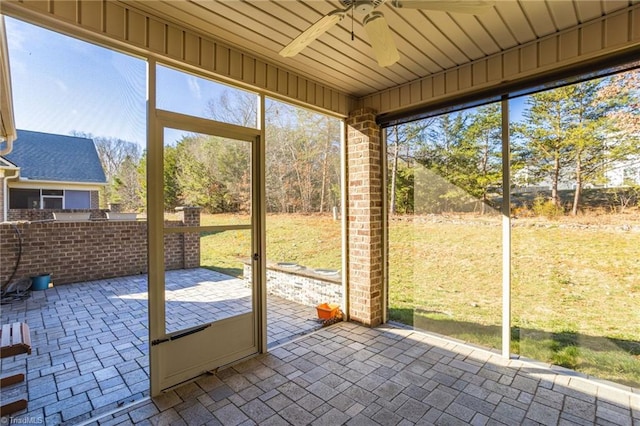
x=189, y=332
x=181, y=335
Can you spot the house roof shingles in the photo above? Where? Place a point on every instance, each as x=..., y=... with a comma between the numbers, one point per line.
x=50, y=157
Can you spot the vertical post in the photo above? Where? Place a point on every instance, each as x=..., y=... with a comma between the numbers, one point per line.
x=344, y=187
x=385, y=230
x=506, y=232
x=365, y=218
x=155, y=226
x=190, y=240
x=260, y=224
x=3, y=199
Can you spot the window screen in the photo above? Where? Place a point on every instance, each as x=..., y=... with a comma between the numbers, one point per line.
x=24, y=198
x=77, y=199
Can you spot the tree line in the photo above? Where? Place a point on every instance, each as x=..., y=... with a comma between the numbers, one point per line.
x=302, y=172
x=571, y=135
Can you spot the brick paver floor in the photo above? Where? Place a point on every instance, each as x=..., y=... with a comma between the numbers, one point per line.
x=353, y=375
x=90, y=352
x=90, y=366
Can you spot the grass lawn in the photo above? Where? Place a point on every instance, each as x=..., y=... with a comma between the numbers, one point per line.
x=575, y=288
x=311, y=241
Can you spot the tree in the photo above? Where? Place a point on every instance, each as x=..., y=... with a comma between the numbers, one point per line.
x=197, y=173
x=575, y=132
x=302, y=160
x=127, y=185
x=623, y=91
x=277, y=170
x=463, y=156
x=586, y=138
x=113, y=153
x=483, y=146
x=171, y=189
x=235, y=107
x=328, y=135
x=544, y=131
x=402, y=143
x=234, y=168
x=439, y=165
x=405, y=189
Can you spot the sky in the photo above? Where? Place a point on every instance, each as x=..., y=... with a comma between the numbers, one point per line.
x=63, y=85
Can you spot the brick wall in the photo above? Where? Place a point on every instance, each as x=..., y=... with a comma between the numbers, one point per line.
x=33, y=215
x=95, y=199
x=364, y=170
x=302, y=286
x=190, y=217
x=2, y=178
x=91, y=250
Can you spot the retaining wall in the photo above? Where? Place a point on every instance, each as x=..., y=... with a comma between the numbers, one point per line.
x=302, y=285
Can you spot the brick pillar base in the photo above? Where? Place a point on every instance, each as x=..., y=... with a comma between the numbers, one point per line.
x=191, y=217
x=364, y=168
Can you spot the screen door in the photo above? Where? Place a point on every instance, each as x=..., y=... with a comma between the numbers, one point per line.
x=203, y=291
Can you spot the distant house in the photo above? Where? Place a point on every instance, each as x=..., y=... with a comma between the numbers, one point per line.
x=624, y=173
x=48, y=171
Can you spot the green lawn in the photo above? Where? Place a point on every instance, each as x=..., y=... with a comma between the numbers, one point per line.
x=575, y=289
x=311, y=241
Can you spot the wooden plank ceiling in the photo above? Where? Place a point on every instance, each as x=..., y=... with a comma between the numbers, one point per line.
x=428, y=41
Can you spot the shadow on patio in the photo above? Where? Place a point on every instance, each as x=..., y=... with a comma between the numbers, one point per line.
x=90, y=340
x=354, y=375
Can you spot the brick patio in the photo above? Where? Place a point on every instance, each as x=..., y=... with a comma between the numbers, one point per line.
x=354, y=375
x=90, y=352
x=90, y=366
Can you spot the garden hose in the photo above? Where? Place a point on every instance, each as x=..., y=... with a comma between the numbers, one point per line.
x=19, y=290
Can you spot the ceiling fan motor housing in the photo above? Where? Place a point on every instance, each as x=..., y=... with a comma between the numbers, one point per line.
x=362, y=7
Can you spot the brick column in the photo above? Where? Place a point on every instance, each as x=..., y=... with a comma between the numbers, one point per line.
x=364, y=168
x=95, y=199
x=2, y=178
x=191, y=217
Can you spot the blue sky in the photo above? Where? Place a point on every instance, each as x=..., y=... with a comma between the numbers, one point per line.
x=61, y=85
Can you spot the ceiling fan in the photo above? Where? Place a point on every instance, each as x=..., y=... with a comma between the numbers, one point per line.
x=375, y=24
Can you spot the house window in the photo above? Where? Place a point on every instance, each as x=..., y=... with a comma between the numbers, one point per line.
x=52, y=199
x=49, y=199
x=24, y=198
x=77, y=199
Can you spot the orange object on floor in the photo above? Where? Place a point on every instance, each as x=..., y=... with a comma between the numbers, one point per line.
x=327, y=310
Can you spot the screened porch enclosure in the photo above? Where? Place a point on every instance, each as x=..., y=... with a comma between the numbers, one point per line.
x=456, y=263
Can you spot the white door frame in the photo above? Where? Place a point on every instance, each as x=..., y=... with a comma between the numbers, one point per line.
x=181, y=356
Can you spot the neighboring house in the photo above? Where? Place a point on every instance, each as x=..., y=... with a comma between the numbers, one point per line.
x=617, y=174
x=48, y=171
x=525, y=180
x=623, y=173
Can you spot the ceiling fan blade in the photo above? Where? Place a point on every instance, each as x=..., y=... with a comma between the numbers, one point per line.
x=313, y=32
x=381, y=39
x=474, y=7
